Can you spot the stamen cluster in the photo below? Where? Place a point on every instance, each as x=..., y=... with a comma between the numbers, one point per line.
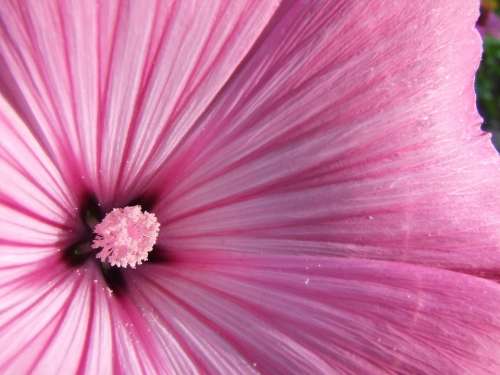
x=126, y=236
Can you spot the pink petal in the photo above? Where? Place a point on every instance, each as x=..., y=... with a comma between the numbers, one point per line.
x=296, y=315
x=29, y=171
x=36, y=205
x=38, y=306
x=104, y=97
x=327, y=138
x=41, y=302
x=350, y=130
x=55, y=321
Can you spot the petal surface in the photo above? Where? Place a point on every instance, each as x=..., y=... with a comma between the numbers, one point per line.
x=350, y=130
x=55, y=321
x=37, y=209
x=281, y=141
x=101, y=96
x=317, y=315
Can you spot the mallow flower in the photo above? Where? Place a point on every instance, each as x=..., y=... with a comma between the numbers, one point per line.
x=238, y=187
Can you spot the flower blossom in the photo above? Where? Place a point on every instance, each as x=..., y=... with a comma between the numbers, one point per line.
x=302, y=187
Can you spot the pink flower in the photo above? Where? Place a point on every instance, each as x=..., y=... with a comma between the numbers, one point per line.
x=325, y=196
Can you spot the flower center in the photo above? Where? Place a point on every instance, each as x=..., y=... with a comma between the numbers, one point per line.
x=126, y=236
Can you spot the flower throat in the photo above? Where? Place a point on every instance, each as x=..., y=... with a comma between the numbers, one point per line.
x=122, y=238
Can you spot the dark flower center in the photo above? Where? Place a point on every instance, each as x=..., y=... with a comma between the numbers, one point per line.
x=80, y=251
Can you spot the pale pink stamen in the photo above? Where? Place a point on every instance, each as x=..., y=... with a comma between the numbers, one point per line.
x=126, y=236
